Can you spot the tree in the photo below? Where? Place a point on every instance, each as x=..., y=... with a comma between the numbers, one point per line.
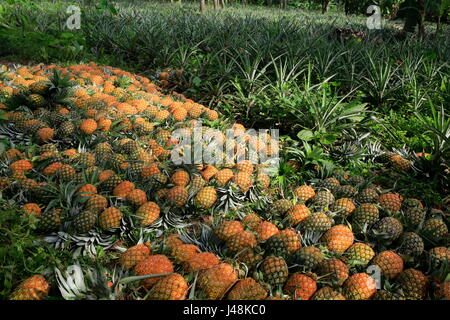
x=202, y=5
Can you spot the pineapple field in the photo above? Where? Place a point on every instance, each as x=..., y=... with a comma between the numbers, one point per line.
x=318, y=169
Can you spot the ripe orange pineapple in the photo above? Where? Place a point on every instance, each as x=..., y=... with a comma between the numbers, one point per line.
x=148, y=213
x=300, y=286
x=110, y=218
x=359, y=286
x=156, y=264
x=202, y=260
x=88, y=190
x=123, y=189
x=184, y=252
x=33, y=288
x=171, y=287
x=390, y=263
x=135, y=254
x=217, y=280
x=244, y=180
x=228, y=228
x=304, y=193
x=339, y=238
x=178, y=195
x=32, y=209
x=241, y=240
x=180, y=178
x=206, y=197
x=88, y=126
x=297, y=214
x=137, y=197
x=247, y=289
x=265, y=230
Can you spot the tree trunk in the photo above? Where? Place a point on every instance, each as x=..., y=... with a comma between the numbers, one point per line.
x=244, y=2
x=216, y=4
x=346, y=7
x=438, y=24
x=222, y=4
x=202, y=6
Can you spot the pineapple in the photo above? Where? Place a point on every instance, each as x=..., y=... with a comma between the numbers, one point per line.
x=390, y=202
x=411, y=244
x=365, y=216
x=308, y=257
x=333, y=270
x=49, y=221
x=133, y=255
x=178, y=195
x=388, y=228
x=413, y=283
x=304, y=193
x=110, y=218
x=227, y=229
x=265, y=230
x=297, y=214
x=346, y=191
x=274, y=270
x=180, y=178
x=137, y=197
x=317, y=222
x=147, y=213
x=439, y=256
x=36, y=100
x=85, y=221
x=96, y=203
x=206, y=197
x=281, y=206
x=300, y=286
x=217, y=280
x=34, y=288
x=66, y=129
x=323, y=199
x=283, y=243
x=184, y=252
x=368, y=195
x=414, y=216
x=338, y=238
x=390, y=263
x=435, y=228
x=171, y=287
x=240, y=241
x=359, y=286
x=331, y=184
x=156, y=264
x=202, y=260
x=247, y=289
x=358, y=254
x=327, y=293
x=343, y=207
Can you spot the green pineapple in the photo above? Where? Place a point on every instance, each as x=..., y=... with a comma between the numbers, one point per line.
x=85, y=221
x=388, y=228
x=323, y=199
x=318, y=222
x=368, y=195
x=274, y=270
x=308, y=257
x=66, y=129
x=364, y=216
x=411, y=244
x=414, y=216
x=49, y=221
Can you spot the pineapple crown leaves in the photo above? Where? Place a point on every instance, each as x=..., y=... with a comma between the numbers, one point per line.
x=207, y=241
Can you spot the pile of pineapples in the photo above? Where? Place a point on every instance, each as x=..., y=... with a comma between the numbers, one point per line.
x=89, y=155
